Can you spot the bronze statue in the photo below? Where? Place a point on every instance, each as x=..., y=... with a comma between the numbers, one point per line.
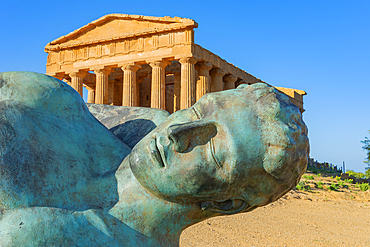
x=66, y=180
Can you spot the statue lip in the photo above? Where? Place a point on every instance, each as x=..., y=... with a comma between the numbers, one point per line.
x=155, y=153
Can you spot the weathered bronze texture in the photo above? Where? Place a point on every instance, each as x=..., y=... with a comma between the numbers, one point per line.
x=140, y=180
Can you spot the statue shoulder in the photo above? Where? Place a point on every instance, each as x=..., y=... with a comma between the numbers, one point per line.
x=53, y=152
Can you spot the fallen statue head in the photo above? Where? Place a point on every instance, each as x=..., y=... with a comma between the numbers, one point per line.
x=231, y=152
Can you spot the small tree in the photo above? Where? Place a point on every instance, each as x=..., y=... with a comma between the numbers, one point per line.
x=367, y=172
x=356, y=174
x=366, y=147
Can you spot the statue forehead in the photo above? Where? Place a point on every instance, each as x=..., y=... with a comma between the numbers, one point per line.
x=232, y=109
x=238, y=141
x=227, y=100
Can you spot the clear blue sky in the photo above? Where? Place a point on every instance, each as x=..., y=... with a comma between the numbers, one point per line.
x=321, y=47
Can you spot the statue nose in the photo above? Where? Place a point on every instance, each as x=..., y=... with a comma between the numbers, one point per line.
x=189, y=135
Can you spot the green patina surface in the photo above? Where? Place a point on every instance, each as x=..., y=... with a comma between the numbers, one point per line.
x=139, y=176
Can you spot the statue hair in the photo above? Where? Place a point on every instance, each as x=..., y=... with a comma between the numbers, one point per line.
x=286, y=148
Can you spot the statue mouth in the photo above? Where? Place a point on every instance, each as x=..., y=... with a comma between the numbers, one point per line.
x=155, y=153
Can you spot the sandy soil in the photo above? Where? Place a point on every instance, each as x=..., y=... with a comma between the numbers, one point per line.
x=319, y=217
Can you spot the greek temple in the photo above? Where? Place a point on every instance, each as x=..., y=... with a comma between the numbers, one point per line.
x=134, y=60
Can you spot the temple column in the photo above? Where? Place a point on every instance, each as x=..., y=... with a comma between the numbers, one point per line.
x=217, y=83
x=130, y=87
x=117, y=100
x=187, y=82
x=90, y=94
x=111, y=92
x=101, y=90
x=203, y=84
x=77, y=81
x=137, y=101
x=229, y=81
x=139, y=79
x=176, y=92
x=158, y=92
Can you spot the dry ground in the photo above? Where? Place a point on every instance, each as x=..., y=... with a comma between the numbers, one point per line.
x=319, y=217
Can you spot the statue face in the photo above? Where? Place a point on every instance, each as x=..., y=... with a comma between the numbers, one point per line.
x=192, y=155
x=205, y=152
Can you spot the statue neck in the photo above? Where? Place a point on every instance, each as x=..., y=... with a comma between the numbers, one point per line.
x=160, y=221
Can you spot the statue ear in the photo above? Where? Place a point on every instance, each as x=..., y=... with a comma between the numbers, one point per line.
x=231, y=206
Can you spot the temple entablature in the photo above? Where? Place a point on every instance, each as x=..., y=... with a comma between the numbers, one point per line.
x=134, y=60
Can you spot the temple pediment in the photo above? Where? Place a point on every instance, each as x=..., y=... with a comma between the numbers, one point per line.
x=119, y=26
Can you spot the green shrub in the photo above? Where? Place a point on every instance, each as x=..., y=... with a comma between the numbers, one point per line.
x=320, y=185
x=319, y=175
x=355, y=174
x=333, y=186
x=364, y=187
x=337, y=178
x=348, y=180
x=342, y=184
x=302, y=186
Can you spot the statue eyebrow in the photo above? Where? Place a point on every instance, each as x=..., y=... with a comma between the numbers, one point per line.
x=212, y=146
x=196, y=112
